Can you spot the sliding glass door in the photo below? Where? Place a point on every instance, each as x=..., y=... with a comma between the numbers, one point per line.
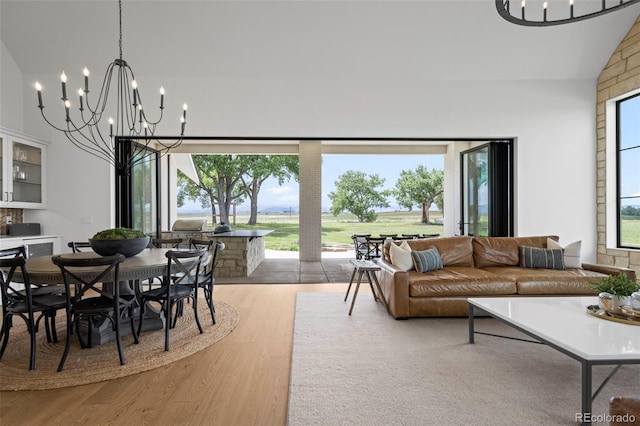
x=487, y=190
x=137, y=190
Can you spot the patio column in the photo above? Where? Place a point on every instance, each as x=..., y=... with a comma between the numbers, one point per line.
x=310, y=238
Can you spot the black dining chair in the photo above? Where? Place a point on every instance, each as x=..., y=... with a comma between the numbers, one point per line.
x=88, y=276
x=206, y=280
x=183, y=268
x=360, y=245
x=20, y=299
x=170, y=243
x=75, y=246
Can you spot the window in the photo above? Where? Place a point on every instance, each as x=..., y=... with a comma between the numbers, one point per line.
x=628, y=149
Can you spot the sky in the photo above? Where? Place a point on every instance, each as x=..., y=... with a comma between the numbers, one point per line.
x=387, y=167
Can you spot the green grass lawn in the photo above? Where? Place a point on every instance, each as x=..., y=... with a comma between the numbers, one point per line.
x=336, y=230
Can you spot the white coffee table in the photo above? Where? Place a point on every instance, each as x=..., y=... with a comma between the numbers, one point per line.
x=564, y=324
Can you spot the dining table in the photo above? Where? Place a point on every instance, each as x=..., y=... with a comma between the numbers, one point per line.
x=151, y=262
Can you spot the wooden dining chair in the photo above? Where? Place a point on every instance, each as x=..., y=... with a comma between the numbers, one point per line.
x=183, y=268
x=21, y=300
x=87, y=276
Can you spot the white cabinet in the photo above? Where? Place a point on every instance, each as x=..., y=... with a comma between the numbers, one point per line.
x=37, y=245
x=22, y=171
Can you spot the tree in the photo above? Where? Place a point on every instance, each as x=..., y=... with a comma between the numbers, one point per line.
x=421, y=187
x=261, y=167
x=356, y=193
x=220, y=181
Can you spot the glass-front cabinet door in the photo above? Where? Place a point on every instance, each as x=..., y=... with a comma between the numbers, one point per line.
x=22, y=171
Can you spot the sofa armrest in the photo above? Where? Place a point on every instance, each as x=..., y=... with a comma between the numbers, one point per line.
x=395, y=287
x=610, y=270
x=624, y=410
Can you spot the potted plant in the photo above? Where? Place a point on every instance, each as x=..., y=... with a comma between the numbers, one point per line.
x=614, y=291
x=128, y=242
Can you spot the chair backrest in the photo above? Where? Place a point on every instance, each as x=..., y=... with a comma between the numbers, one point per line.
x=86, y=272
x=75, y=246
x=172, y=243
x=195, y=244
x=12, y=260
x=183, y=266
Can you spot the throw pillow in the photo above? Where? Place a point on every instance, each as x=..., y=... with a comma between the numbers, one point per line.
x=534, y=257
x=426, y=260
x=571, y=253
x=400, y=257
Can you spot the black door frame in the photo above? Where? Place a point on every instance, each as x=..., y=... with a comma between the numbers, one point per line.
x=126, y=148
x=500, y=187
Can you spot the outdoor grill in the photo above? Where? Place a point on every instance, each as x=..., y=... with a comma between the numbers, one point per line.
x=186, y=229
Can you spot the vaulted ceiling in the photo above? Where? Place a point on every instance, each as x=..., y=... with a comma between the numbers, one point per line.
x=429, y=39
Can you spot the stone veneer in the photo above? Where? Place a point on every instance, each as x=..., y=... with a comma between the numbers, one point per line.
x=621, y=75
x=240, y=257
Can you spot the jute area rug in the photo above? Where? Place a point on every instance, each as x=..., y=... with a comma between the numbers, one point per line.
x=101, y=362
x=369, y=369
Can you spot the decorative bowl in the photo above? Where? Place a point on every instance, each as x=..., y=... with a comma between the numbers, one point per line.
x=128, y=247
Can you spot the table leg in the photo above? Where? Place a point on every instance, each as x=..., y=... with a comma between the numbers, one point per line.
x=586, y=391
x=471, y=324
x=353, y=274
x=380, y=293
x=355, y=293
x=373, y=291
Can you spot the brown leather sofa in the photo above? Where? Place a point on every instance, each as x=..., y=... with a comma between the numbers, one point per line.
x=477, y=267
x=624, y=411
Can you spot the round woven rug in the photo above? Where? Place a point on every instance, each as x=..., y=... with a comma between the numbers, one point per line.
x=100, y=363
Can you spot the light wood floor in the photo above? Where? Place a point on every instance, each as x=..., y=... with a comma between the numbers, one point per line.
x=241, y=380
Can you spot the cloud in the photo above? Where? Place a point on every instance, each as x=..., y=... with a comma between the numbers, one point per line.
x=281, y=190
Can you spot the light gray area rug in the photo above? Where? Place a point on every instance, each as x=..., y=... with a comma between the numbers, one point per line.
x=369, y=369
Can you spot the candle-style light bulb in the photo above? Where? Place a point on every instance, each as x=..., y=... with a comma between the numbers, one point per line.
x=523, y=5
x=63, y=79
x=110, y=127
x=39, y=90
x=184, y=113
x=81, y=94
x=67, y=105
x=85, y=71
x=571, y=7
x=134, y=86
x=161, y=97
x=544, y=7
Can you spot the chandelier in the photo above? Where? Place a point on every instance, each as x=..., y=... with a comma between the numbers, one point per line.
x=541, y=14
x=87, y=130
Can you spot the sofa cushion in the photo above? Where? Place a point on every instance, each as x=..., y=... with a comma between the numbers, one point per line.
x=503, y=251
x=459, y=281
x=454, y=251
x=401, y=256
x=534, y=257
x=548, y=281
x=571, y=253
x=426, y=260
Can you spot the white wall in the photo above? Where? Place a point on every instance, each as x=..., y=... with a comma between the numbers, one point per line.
x=11, y=108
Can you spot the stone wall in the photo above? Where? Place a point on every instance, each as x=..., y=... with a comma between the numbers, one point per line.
x=240, y=257
x=621, y=75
